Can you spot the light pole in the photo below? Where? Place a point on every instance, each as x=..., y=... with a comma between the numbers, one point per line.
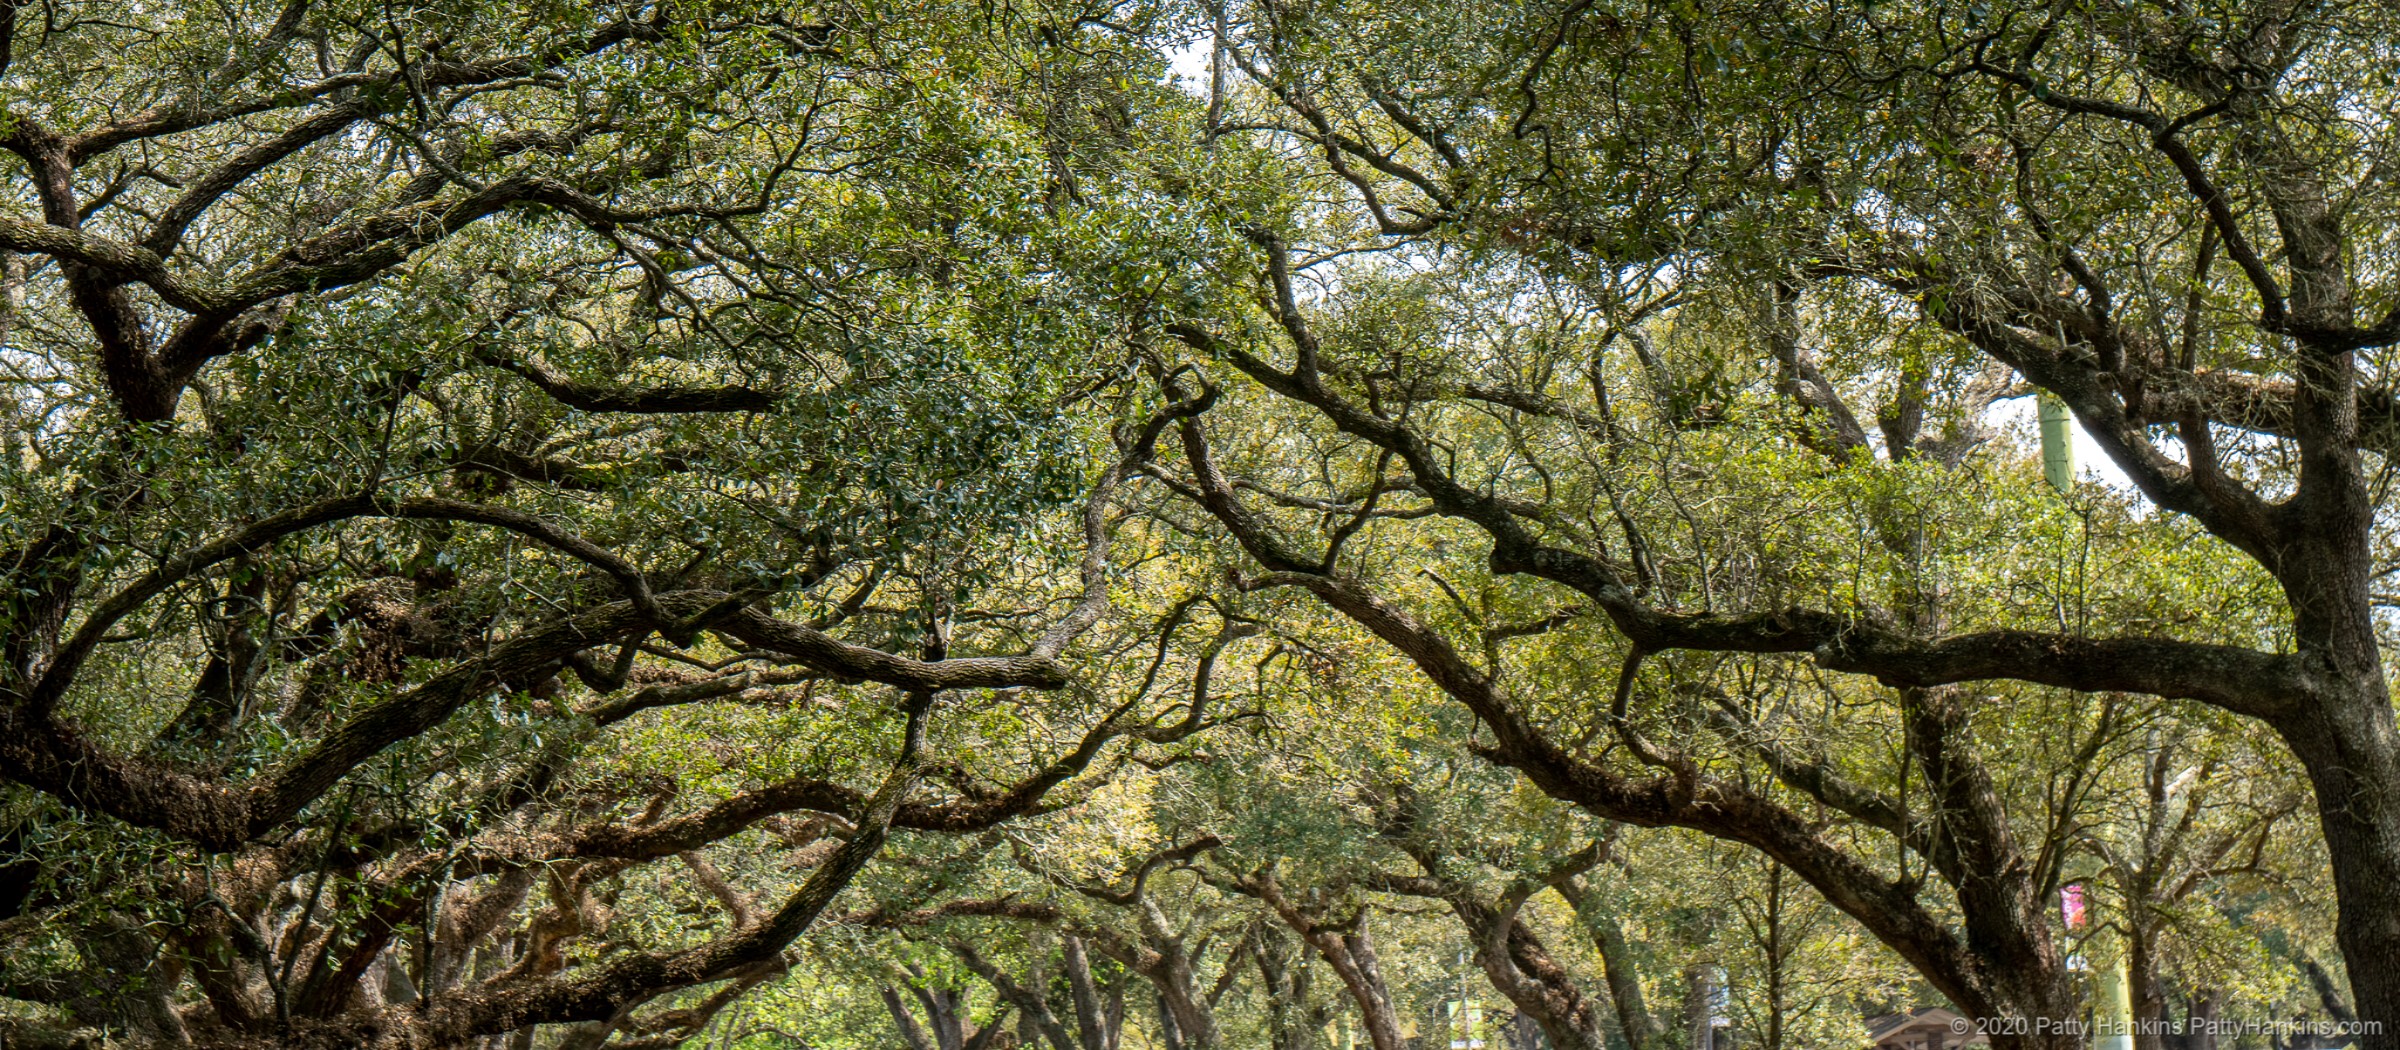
x=1466, y=1016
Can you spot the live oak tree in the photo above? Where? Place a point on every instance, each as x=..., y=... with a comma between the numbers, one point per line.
x=1396, y=854
x=512, y=515
x=2173, y=218
x=464, y=459
x=1951, y=811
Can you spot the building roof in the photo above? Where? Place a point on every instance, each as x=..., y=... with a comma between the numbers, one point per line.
x=1923, y=1027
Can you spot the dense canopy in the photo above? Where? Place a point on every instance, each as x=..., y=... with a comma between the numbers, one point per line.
x=1172, y=525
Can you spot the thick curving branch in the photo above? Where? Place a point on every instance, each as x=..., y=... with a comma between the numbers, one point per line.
x=40, y=751
x=601, y=991
x=663, y=400
x=2241, y=680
